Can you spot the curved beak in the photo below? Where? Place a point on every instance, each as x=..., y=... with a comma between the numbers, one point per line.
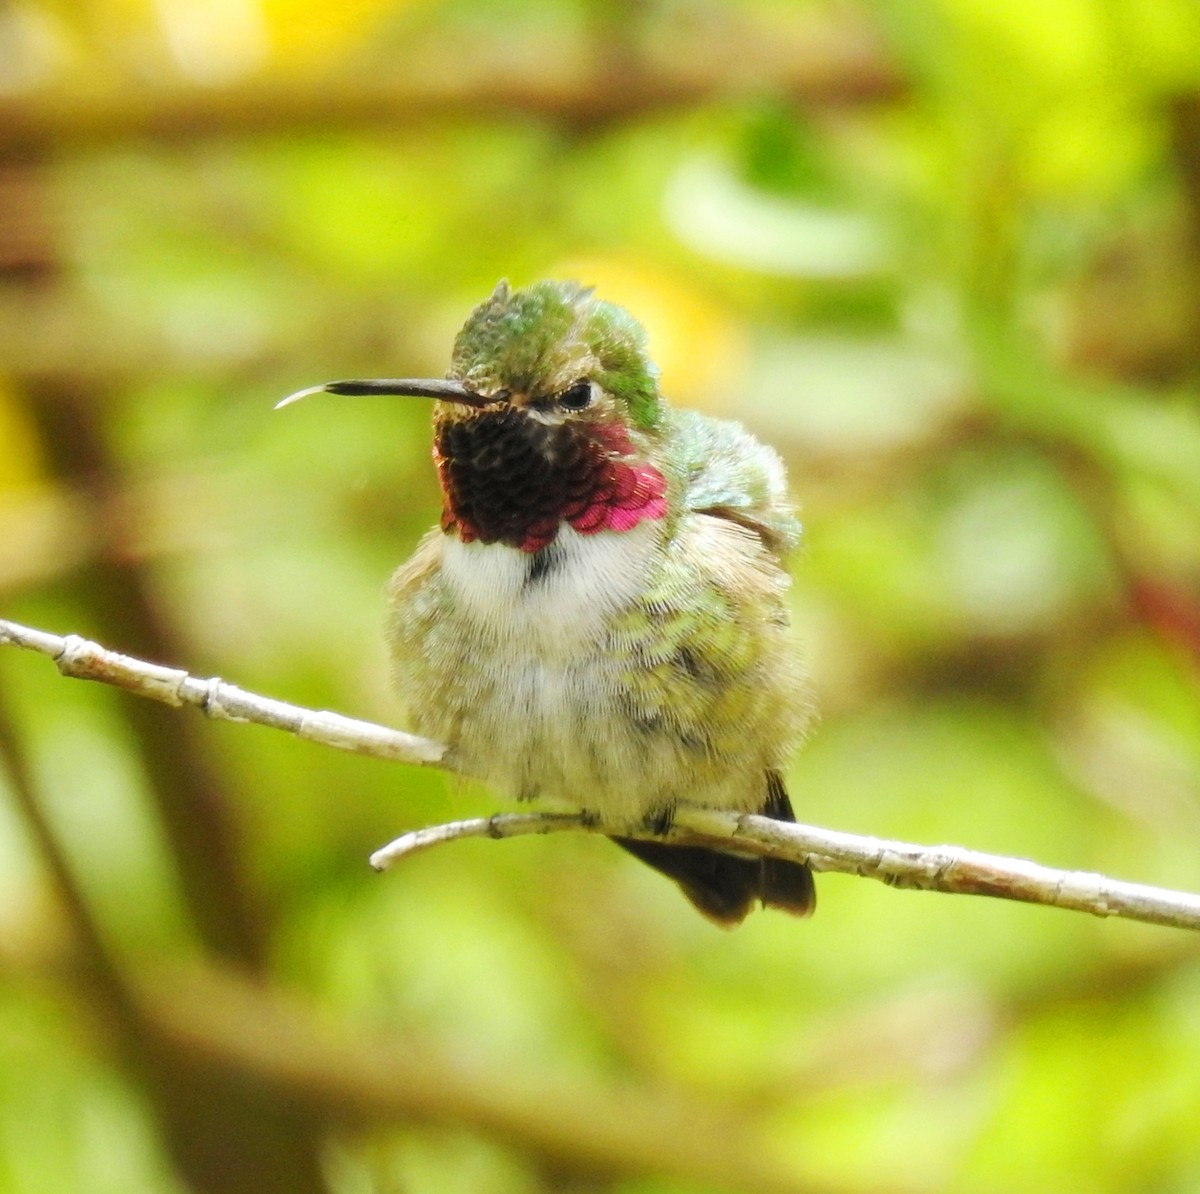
x=408, y=387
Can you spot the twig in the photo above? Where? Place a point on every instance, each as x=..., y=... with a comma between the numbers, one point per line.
x=949, y=869
x=499, y=826
x=84, y=660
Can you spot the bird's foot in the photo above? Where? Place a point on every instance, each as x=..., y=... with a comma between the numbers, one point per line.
x=659, y=821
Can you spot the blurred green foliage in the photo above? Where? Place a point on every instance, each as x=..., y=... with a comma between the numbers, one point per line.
x=945, y=256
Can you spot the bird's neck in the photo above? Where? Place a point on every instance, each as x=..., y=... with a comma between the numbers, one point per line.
x=508, y=478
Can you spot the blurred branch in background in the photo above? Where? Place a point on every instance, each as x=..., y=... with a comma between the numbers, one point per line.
x=837, y=63
x=583, y=1131
x=209, y=1016
x=948, y=869
x=1184, y=128
x=224, y=1133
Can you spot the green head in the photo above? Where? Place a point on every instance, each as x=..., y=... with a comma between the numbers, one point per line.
x=550, y=414
x=535, y=344
x=551, y=350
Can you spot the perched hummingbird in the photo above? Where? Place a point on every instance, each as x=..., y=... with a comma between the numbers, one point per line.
x=599, y=616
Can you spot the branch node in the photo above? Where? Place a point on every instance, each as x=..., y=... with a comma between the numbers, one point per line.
x=75, y=655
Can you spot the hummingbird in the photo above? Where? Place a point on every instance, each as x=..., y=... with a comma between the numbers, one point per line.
x=599, y=616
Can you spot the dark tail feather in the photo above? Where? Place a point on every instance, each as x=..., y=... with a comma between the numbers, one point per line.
x=724, y=886
x=785, y=885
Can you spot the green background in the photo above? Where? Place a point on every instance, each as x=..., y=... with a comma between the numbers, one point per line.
x=945, y=256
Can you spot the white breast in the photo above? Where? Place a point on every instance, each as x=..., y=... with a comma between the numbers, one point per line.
x=555, y=604
x=535, y=708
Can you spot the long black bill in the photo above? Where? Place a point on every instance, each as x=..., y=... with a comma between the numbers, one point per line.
x=408, y=387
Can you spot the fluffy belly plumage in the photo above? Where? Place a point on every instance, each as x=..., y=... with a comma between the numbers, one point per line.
x=551, y=675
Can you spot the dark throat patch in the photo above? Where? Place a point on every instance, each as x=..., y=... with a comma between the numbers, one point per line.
x=508, y=478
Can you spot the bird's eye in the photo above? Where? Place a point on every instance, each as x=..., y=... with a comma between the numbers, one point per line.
x=577, y=396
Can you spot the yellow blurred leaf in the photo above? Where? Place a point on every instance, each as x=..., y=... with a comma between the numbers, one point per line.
x=307, y=30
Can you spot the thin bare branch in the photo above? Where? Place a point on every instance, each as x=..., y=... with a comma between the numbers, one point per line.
x=84, y=660
x=499, y=826
x=949, y=869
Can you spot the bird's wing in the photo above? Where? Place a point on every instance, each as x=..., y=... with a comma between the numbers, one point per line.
x=727, y=473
